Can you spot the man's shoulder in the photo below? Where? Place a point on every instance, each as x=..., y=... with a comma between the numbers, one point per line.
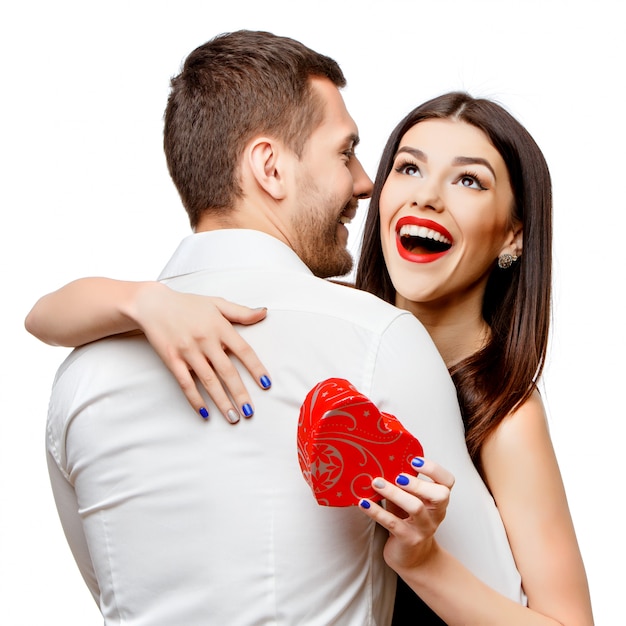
x=350, y=294
x=341, y=296
x=295, y=292
x=117, y=356
x=345, y=302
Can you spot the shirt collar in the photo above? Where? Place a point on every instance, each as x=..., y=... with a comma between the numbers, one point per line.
x=231, y=249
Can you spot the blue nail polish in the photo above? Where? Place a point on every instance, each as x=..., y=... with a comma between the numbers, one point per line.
x=204, y=413
x=266, y=383
x=402, y=480
x=364, y=504
x=246, y=409
x=417, y=462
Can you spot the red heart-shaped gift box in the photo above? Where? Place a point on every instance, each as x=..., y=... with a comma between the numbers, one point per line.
x=344, y=442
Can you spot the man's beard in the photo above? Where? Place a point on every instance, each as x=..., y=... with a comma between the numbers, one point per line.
x=318, y=245
x=316, y=241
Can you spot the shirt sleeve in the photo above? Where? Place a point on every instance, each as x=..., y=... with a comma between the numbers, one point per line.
x=67, y=507
x=410, y=380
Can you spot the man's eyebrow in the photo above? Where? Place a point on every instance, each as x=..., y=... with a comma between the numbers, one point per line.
x=474, y=161
x=353, y=140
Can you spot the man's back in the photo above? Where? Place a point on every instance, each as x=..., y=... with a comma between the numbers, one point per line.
x=190, y=522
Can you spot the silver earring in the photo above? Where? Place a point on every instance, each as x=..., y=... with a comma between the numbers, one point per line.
x=506, y=260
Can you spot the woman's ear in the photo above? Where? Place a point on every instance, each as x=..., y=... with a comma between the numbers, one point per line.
x=265, y=164
x=514, y=243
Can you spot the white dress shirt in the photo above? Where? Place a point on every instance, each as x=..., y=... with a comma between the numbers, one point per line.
x=175, y=521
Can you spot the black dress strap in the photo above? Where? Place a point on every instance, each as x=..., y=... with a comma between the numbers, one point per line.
x=411, y=610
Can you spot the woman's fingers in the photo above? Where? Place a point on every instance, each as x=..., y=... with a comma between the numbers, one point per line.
x=187, y=383
x=238, y=313
x=412, y=494
x=417, y=501
x=194, y=336
x=212, y=368
x=205, y=374
x=415, y=507
x=232, y=341
x=217, y=371
x=380, y=515
x=434, y=471
x=218, y=374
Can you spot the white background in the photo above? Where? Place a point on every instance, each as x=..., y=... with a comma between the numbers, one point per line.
x=84, y=191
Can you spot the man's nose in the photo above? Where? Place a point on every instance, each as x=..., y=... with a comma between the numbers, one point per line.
x=362, y=182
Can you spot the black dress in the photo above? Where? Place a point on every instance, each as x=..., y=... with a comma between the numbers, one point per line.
x=410, y=610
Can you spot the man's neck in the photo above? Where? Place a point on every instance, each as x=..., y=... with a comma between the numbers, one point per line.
x=211, y=220
x=243, y=217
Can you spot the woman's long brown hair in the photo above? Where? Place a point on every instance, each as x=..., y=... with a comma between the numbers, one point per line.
x=502, y=375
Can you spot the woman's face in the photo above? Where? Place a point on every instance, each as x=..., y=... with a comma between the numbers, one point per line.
x=446, y=214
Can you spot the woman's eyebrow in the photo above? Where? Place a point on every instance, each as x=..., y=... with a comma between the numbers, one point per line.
x=460, y=160
x=418, y=154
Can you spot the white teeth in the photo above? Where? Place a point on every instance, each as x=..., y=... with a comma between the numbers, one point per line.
x=344, y=219
x=413, y=230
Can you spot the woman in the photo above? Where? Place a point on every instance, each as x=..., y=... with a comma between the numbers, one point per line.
x=459, y=233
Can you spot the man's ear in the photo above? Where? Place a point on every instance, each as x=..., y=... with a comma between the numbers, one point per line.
x=265, y=163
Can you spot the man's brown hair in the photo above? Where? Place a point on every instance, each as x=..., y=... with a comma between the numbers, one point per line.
x=230, y=89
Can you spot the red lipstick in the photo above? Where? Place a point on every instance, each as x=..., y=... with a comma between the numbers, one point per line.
x=411, y=226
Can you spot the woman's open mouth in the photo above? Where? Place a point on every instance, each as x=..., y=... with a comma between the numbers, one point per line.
x=421, y=241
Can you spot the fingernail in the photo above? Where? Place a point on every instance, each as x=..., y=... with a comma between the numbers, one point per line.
x=402, y=480
x=418, y=461
x=379, y=483
x=247, y=410
x=266, y=383
x=260, y=308
x=364, y=504
x=204, y=413
x=232, y=416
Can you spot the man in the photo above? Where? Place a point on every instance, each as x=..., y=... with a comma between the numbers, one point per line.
x=177, y=521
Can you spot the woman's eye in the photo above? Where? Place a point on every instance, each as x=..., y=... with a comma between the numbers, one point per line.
x=410, y=169
x=470, y=182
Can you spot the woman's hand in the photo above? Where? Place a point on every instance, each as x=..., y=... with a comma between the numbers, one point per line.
x=416, y=505
x=193, y=334
x=190, y=333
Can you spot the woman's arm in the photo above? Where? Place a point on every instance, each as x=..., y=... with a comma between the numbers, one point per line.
x=522, y=472
x=523, y=475
x=191, y=333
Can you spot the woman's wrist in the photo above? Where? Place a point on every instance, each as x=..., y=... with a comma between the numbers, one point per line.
x=422, y=570
x=139, y=300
